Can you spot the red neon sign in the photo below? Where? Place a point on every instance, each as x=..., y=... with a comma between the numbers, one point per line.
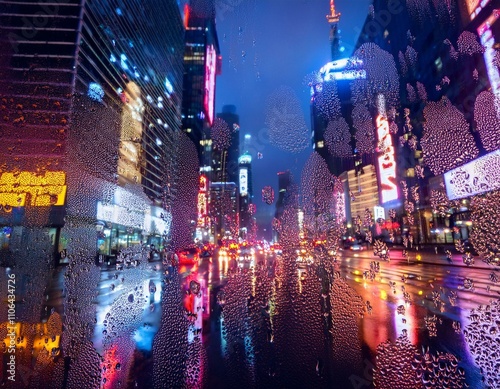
x=203, y=184
x=386, y=162
x=210, y=68
x=202, y=202
x=187, y=12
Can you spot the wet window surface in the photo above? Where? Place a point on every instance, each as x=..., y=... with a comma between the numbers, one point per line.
x=246, y=194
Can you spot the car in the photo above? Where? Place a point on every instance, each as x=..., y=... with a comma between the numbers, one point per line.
x=188, y=256
x=207, y=250
x=356, y=246
x=353, y=244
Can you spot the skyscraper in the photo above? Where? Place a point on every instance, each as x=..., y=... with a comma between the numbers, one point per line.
x=246, y=193
x=202, y=63
x=331, y=99
x=225, y=162
x=284, y=183
x=91, y=111
x=333, y=19
x=91, y=95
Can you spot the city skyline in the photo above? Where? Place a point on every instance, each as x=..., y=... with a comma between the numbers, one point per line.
x=252, y=71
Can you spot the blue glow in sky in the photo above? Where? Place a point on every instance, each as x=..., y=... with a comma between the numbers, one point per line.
x=269, y=43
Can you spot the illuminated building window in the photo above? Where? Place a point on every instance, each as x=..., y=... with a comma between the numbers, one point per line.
x=95, y=92
x=410, y=172
x=320, y=144
x=439, y=64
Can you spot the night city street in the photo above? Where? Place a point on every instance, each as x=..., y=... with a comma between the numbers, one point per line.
x=250, y=194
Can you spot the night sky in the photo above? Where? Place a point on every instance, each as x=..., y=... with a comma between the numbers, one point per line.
x=266, y=44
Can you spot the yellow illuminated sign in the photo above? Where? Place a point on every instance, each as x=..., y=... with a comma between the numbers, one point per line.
x=31, y=189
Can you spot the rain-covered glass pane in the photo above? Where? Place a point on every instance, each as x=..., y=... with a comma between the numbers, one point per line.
x=250, y=194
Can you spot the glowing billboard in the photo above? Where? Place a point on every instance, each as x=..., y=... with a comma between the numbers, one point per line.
x=343, y=69
x=243, y=181
x=210, y=68
x=31, y=189
x=203, y=183
x=202, y=202
x=488, y=42
x=475, y=6
x=386, y=162
x=378, y=213
x=478, y=176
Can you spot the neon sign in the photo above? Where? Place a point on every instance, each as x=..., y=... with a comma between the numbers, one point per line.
x=210, y=67
x=473, y=178
x=386, y=162
x=202, y=202
x=343, y=69
x=203, y=183
x=27, y=188
x=475, y=6
x=488, y=42
x=243, y=181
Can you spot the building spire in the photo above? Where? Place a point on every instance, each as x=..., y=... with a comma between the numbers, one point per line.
x=333, y=19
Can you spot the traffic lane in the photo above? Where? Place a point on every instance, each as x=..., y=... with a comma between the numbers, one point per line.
x=470, y=281
x=115, y=283
x=423, y=281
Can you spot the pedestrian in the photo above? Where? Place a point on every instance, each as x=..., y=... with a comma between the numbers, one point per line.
x=448, y=256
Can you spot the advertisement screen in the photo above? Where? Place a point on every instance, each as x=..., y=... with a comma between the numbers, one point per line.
x=386, y=162
x=210, y=68
x=475, y=177
x=243, y=182
x=488, y=42
x=32, y=189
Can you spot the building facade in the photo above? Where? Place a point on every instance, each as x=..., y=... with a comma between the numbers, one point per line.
x=202, y=64
x=246, y=195
x=93, y=104
x=444, y=57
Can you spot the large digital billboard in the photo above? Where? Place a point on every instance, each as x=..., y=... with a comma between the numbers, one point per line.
x=478, y=176
x=488, y=42
x=343, y=69
x=243, y=181
x=210, y=68
x=32, y=189
x=386, y=162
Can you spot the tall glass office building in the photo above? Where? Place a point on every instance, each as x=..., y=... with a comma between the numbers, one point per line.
x=91, y=99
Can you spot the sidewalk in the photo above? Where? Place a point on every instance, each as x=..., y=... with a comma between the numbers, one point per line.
x=425, y=256
x=429, y=257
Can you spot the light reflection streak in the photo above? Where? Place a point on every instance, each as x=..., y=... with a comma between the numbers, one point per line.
x=410, y=317
x=373, y=333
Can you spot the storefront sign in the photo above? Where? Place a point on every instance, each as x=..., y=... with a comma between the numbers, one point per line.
x=379, y=213
x=386, y=162
x=32, y=189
